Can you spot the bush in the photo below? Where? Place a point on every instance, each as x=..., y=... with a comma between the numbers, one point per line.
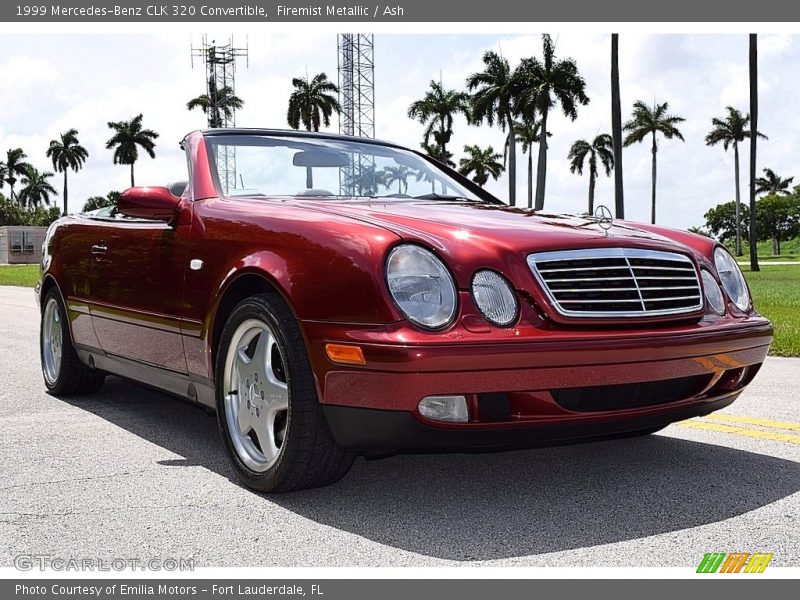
x=12, y=213
x=778, y=219
x=721, y=221
x=96, y=202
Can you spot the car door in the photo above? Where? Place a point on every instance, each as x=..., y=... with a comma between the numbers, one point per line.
x=137, y=288
x=74, y=265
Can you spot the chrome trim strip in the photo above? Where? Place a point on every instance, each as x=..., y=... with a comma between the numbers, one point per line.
x=616, y=267
x=599, y=253
x=621, y=289
x=671, y=298
x=654, y=268
x=601, y=278
x=602, y=301
x=664, y=278
x=584, y=269
x=683, y=264
x=633, y=289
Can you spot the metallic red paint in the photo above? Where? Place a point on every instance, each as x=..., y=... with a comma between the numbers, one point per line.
x=151, y=203
x=136, y=307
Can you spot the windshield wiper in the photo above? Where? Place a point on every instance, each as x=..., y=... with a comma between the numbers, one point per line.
x=435, y=196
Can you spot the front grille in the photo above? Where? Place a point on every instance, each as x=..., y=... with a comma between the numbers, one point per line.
x=618, y=282
x=629, y=395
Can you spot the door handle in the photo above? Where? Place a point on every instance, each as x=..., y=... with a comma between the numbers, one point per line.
x=99, y=249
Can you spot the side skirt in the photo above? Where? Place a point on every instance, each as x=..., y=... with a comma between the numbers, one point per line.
x=194, y=389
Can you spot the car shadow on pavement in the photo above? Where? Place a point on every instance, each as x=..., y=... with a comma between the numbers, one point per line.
x=492, y=506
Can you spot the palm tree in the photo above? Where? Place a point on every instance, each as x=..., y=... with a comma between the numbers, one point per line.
x=366, y=180
x=602, y=148
x=483, y=163
x=436, y=111
x=127, y=139
x=67, y=153
x=753, y=69
x=772, y=183
x=494, y=96
x=546, y=83
x=729, y=131
x=435, y=151
x=14, y=167
x=616, y=129
x=397, y=174
x=222, y=102
x=312, y=102
x=37, y=189
x=646, y=122
x=527, y=132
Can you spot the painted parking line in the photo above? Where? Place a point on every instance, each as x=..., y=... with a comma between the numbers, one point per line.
x=758, y=421
x=774, y=436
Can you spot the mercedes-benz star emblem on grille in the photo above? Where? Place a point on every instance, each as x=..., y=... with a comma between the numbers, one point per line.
x=604, y=218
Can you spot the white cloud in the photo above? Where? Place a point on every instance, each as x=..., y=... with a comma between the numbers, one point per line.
x=54, y=82
x=21, y=72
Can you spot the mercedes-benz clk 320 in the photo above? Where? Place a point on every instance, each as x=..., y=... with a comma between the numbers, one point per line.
x=328, y=296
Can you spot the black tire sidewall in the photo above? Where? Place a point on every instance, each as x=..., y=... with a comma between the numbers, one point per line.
x=264, y=308
x=66, y=341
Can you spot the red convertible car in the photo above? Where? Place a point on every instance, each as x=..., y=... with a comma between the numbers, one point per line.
x=329, y=296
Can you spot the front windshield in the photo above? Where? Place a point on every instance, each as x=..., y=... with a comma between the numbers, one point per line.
x=260, y=165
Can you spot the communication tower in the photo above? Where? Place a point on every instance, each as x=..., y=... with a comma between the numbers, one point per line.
x=220, y=63
x=356, y=68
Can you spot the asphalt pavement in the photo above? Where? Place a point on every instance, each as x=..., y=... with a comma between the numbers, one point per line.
x=131, y=473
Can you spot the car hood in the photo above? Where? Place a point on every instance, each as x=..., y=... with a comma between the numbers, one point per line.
x=470, y=236
x=444, y=224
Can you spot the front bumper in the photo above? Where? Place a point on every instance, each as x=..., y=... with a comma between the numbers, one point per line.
x=369, y=430
x=374, y=407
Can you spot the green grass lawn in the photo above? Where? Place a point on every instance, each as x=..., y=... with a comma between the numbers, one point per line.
x=24, y=275
x=776, y=293
x=790, y=251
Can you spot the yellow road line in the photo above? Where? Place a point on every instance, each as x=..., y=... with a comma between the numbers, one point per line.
x=753, y=433
x=754, y=421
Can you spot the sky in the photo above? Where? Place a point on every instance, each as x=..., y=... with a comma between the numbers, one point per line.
x=50, y=83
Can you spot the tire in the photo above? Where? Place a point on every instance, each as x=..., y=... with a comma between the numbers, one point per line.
x=273, y=428
x=63, y=372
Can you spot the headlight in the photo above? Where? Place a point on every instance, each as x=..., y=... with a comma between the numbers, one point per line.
x=495, y=298
x=732, y=279
x=421, y=286
x=713, y=293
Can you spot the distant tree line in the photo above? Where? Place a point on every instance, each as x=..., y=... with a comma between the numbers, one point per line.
x=777, y=214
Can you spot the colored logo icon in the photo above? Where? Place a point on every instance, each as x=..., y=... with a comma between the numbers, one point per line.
x=735, y=562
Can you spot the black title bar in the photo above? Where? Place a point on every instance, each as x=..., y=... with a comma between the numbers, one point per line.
x=440, y=11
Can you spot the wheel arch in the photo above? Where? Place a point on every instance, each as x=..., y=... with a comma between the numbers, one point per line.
x=241, y=284
x=48, y=283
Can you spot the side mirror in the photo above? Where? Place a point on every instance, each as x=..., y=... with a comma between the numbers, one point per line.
x=154, y=203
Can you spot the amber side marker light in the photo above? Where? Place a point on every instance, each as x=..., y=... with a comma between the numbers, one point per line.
x=345, y=354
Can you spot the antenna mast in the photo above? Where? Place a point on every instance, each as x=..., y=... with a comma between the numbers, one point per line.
x=220, y=63
x=356, y=68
